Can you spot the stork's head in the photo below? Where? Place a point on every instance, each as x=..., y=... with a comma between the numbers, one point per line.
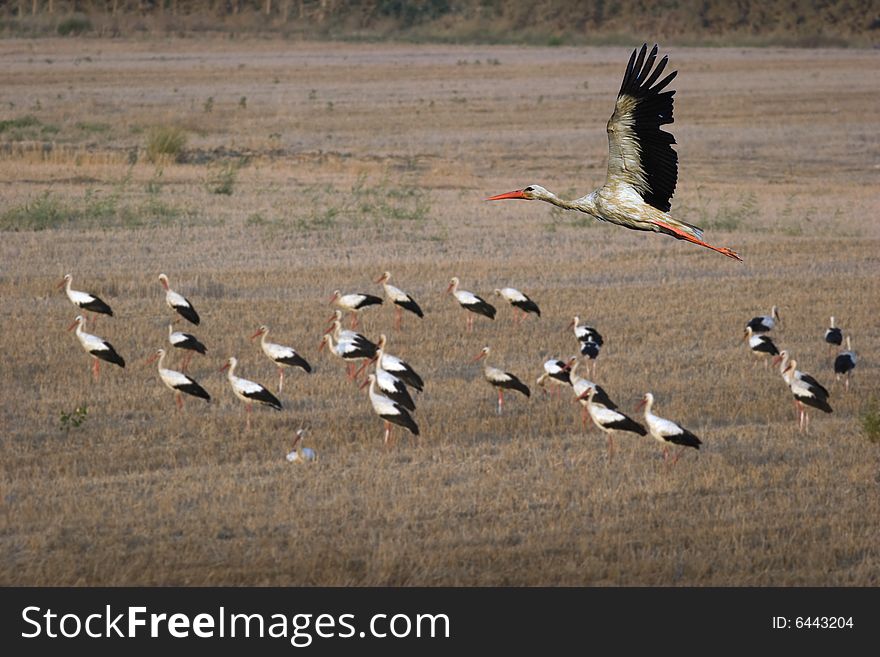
x=382, y=341
x=336, y=294
x=781, y=356
x=163, y=279
x=774, y=312
x=370, y=378
x=231, y=362
x=384, y=278
x=483, y=353
x=530, y=193
x=260, y=331
x=574, y=322
x=67, y=278
x=647, y=400
x=588, y=393
x=76, y=322
x=453, y=284
x=159, y=353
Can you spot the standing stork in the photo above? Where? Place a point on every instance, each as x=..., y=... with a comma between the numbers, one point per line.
x=519, y=301
x=805, y=394
x=248, y=391
x=590, y=342
x=97, y=348
x=765, y=323
x=84, y=300
x=833, y=335
x=760, y=345
x=609, y=420
x=580, y=385
x=556, y=371
x=401, y=300
x=642, y=165
x=344, y=335
x=354, y=303
x=186, y=341
x=347, y=351
x=845, y=363
x=471, y=302
x=392, y=387
x=399, y=368
x=389, y=410
x=280, y=355
x=178, y=381
x=783, y=359
x=179, y=303
x=500, y=379
x=667, y=432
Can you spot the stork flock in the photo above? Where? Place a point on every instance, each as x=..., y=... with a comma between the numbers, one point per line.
x=641, y=178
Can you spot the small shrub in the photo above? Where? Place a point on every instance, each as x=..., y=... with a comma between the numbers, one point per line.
x=165, y=142
x=871, y=423
x=222, y=179
x=209, y=104
x=74, y=25
x=46, y=211
x=73, y=419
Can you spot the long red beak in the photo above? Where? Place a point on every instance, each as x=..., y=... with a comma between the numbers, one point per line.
x=380, y=279
x=514, y=194
x=224, y=367
x=332, y=298
x=585, y=394
x=257, y=334
x=152, y=359
x=570, y=324
x=449, y=289
x=72, y=326
x=61, y=284
x=641, y=404
x=321, y=346
x=477, y=357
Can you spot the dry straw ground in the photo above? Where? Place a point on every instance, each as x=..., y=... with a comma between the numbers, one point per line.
x=347, y=160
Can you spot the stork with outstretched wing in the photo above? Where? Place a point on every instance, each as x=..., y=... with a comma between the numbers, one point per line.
x=642, y=165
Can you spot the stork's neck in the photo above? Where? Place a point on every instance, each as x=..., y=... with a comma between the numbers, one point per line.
x=648, y=405
x=230, y=373
x=263, y=337
x=70, y=280
x=161, y=360
x=585, y=204
x=337, y=328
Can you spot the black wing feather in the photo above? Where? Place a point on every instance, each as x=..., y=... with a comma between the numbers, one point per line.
x=109, y=355
x=96, y=305
x=410, y=305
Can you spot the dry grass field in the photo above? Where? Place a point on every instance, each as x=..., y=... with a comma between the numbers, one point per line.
x=346, y=160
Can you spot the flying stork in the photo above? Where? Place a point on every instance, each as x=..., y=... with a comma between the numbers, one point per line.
x=666, y=431
x=179, y=303
x=280, y=355
x=401, y=300
x=97, y=348
x=642, y=165
x=178, y=381
x=500, y=379
x=471, y=302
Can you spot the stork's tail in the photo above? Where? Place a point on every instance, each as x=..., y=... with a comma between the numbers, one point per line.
x=690, y=233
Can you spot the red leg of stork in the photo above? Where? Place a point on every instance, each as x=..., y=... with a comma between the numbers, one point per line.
x=280, y=378
x=470, y=324
x=610, y=448
x=248, y=409
x=179, y=401
x=354, y=320
x=95, y=367
x=500, y=400
x=584, y=417
x=398, y=318
x=387, y=433
x=186, y=359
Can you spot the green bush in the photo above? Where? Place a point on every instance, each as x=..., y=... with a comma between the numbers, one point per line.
x=74, y=25
x=165, y=142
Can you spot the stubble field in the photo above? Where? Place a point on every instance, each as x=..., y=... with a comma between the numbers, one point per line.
x=344, y=161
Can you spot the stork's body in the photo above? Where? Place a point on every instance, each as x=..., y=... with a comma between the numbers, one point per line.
x=300, y=454
x=179, y=382
x=845, y=363
x=805, y=394
x=642, y=165
x=610, y=420
x=400, y=299
x=399, y=368
x=761, y=346
x=471, y=302
x=347, y=351
x=765, y=323
x=280, y=355
x=354, y=303
x=833, y=335
x=178, y=303
x=389, y=410
x=97, y=348
x=590, y=342
x=580, y=385
x=249, y=391
x=556, y=371
x=500, y=380
x=186, y=341
x=84, y=300
x=520, y=302
x=667, y=432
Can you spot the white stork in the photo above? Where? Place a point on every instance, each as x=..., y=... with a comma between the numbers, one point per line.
x=178, y=381
x=500, y=379
x=642, y=165
x=590, y=342
x=280, y=355
x=519, y=301
x=761, y=346
x=667, y=432
x=783, y=359
x=610, y=420
x=471, y=302
x=805, y=394
x=765, y=323
x=347, y=351
x=186, y=341
x=344, y=335
x=845, y=363
x=389, y=410
x=401, y=300
x=354, y=303
x=249, y=391
x=179, y=303
x=399, y=368
x=84, y=300
x=833, y=335
x=556, y=371
x=300, y=454
x=97, y=348
x=580, y=385
x=392, y=387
